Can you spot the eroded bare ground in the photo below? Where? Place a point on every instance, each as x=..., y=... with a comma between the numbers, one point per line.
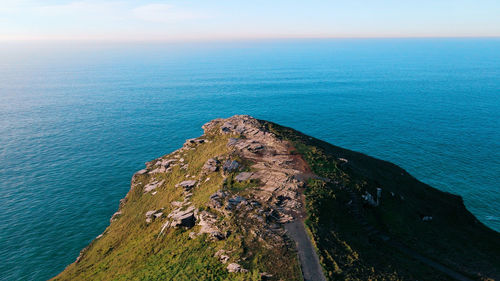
x=272, y=165
x=281, y=175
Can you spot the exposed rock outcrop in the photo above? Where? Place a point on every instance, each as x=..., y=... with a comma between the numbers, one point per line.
x=210, y=166
x=152, y=186
x=153, y=214
x=187, y=185
x=239, y=194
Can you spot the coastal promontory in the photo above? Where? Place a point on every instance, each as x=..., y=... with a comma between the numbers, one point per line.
x=252, y=200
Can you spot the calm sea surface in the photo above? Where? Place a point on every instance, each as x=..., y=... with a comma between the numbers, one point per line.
x=77, y=120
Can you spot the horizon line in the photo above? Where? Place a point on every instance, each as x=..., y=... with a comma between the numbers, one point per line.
x=216, y=39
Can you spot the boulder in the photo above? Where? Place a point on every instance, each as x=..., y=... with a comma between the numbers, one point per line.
x=221, y=256
x=151, y=186
x=233, y=202
x=184, y=218
x=230, y=166
x=217, y=199
x=187, y=185
x=153, y=214
x=224, y=258
x=210, y=166
x=234, y=267
x=207, y=221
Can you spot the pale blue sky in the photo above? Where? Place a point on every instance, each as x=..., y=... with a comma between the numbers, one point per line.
x=234, y=19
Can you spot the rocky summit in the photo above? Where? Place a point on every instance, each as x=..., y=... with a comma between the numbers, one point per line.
x=252, y=200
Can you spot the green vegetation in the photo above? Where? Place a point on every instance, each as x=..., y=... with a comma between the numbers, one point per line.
x=132, y=249
x=453, y=238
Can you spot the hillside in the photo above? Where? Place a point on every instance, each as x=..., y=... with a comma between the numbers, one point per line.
x=252, y=200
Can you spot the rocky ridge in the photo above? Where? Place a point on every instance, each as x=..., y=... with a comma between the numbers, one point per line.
x=230, y=205
x=257, y=157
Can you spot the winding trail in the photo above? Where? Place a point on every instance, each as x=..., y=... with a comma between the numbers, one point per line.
x=309, y=261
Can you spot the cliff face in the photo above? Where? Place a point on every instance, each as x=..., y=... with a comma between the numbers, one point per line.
x=231, y=205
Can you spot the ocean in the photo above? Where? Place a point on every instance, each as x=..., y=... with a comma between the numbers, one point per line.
x=77, y=119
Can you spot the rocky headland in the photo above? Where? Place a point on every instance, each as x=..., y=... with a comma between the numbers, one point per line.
x=251, y=200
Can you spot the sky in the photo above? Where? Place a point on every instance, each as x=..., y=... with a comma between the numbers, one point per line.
x=235, y=19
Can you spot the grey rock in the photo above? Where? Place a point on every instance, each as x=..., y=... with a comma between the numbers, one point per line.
x=233, y=202
x=217, y=235
x=153, y=214
x=221, y=256
x=151, y=186
x=226, y=128
x=255, y=147
x=187, y=185
x=115, y=216
x=234, y=267
x=211, y=166
x=142, y=172
x=230, y=166
x=243, y=176
x=184, y=218
x=150, y=213
x=217, y=199
x=176, y=203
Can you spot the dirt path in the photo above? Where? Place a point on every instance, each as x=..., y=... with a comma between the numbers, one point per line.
x=309, y=261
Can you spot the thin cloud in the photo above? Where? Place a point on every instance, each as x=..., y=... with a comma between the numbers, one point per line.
x=103, y=11
x=163, y=13
x=90, y=10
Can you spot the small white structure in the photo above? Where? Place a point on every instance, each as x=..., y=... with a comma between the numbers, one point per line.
x=370, y=200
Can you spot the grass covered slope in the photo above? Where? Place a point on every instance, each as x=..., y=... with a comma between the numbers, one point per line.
x=216, y=209
x=357, y=241
x=235, y=235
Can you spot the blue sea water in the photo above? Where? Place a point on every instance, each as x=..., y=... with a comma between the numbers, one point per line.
x=78, y=119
